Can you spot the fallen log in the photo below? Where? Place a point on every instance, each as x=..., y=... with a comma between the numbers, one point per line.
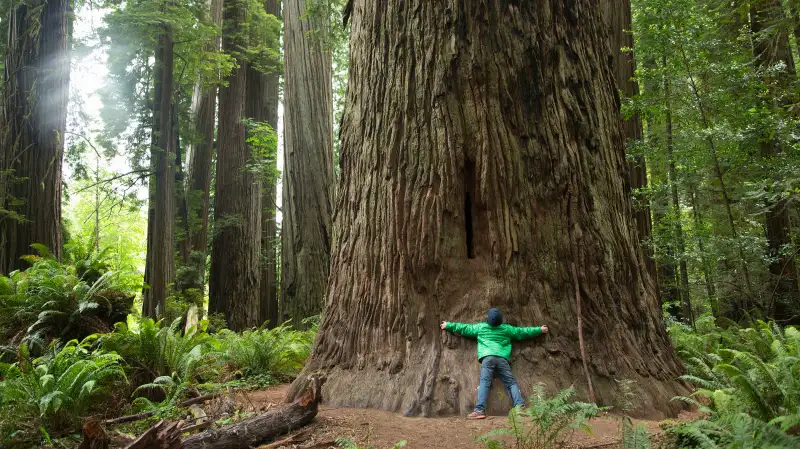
x=260, y=428
x=161, y=436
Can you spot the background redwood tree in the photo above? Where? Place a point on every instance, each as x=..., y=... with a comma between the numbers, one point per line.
x=35, y=94
x=236, y=245
x=480, y=159
x=269, y=82
x=308, y=160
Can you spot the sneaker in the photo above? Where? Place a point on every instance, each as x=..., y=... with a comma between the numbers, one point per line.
x=477, y=415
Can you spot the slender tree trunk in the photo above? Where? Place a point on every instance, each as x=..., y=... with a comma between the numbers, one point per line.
x=686, y=302
x=480, y=151
x=160, y=261
x=771, y=46
x=741, y=309
x=200, y=157
x=308, y=163
x=617, y=15
x=235, y=268
x=269, y=274
x=710, y=289
x=35, y=94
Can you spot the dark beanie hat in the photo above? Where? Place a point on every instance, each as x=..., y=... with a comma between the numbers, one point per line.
x=495, y=318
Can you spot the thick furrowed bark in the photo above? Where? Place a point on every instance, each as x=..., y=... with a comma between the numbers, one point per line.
x=36, y=90
x=235, y=268
x=617, y=16
x=480, y=152
x=308, y=164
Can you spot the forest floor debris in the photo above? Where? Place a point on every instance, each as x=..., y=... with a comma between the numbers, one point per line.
x=381, y=429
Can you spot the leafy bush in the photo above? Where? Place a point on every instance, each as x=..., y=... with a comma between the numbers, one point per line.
x=50, y=394
x=546, y=423
x=154, y=350
x=279, y=352
x=748, y=383
x=49, y=300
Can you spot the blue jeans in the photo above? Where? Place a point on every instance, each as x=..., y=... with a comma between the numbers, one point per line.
x=491, y=365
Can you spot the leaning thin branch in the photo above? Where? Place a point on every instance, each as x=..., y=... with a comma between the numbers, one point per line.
x=114, y=178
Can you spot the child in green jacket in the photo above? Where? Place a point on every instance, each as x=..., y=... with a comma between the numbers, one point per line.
x=494, y=352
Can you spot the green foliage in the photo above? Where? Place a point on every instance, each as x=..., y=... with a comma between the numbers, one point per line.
x=51, y=394
x=153, y=351
x=279, y=352
x=107, y=232
x=748, y=382
x=49, y=300
x=710, y=179
x=633, y=437
x=546, y=423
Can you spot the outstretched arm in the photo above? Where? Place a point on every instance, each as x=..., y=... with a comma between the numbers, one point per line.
x=521, y=333
x=465, y=330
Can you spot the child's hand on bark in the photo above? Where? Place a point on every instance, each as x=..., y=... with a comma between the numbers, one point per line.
x=443, y=325
x=545, y=329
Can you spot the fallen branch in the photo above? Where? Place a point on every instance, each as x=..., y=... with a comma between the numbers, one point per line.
x=255, y=430
x=580, y=332
x=145, y=415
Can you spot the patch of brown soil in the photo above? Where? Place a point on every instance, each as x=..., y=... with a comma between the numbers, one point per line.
x=381, y=430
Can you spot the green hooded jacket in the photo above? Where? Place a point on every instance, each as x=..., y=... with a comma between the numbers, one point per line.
x=494, y=340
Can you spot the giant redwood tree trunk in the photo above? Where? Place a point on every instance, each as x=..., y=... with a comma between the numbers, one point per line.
x=160, y=259
x=308, y=162
x=618, y=19
x=480, y=159
x=269, y=273
x=35, y=90
x=234, y=277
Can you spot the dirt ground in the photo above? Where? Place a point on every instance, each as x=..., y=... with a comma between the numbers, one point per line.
x=381, y=430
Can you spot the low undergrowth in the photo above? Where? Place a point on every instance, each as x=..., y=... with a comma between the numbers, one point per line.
x=748, y=385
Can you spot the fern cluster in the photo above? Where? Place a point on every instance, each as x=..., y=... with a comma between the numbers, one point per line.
x=748, y=382
x=279, y=352
x=51, y=300
x=49, y=394
x=154, y=350
x=547, y=422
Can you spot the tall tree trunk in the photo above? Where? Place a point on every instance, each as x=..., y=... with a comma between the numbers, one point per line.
x=160, y=260
x=672, y=171
x=235, y=269
x=741, y=308
x=771, y=46
x=480, y=158
x=308, y=163
x=35, y=91
x=269, y=228
x=710, y=288
x=617, y=16
x=200, y=157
